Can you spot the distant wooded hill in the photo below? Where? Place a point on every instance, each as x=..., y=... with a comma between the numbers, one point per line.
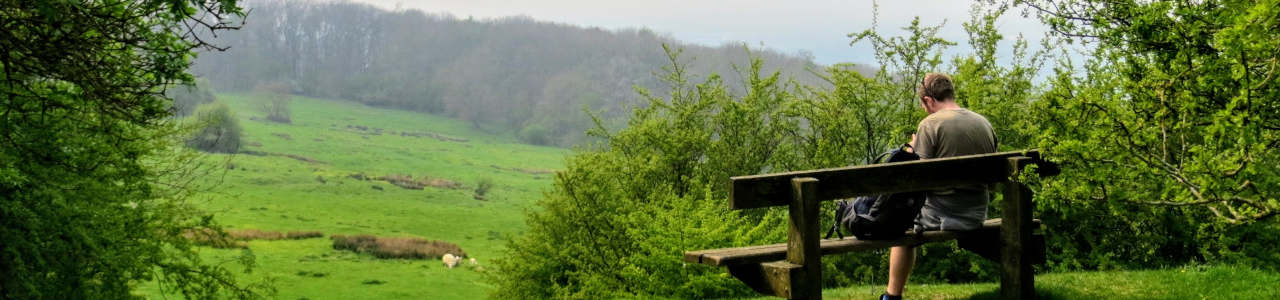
x=513, y=74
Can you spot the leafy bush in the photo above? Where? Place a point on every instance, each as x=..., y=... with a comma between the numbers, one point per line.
x=618, y=218
x=483, y=186
x=1167, y=152
x=217, y=131
x=535, y=134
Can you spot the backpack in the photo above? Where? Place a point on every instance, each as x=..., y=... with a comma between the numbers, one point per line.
x=883, y=216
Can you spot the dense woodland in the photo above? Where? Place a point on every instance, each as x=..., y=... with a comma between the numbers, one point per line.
x=533, y=78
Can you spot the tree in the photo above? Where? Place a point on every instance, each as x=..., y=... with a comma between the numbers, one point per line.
x=217, y=131
x=89, y=191
x=1182, y=98
x=276, y=106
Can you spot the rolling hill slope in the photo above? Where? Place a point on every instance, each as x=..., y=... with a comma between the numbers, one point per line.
x=320, y=174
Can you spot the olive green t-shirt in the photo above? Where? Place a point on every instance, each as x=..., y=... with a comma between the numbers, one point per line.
x=954, y=132
x=947, y=133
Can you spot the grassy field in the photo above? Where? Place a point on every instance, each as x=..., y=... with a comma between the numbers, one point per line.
x=1195, y=282
x=304, y=177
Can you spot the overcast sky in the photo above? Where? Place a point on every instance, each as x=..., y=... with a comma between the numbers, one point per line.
x=817, y=26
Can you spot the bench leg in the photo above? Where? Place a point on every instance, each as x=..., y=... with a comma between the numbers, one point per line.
x=1017, y=280
x=800, y=275
x=802, y=238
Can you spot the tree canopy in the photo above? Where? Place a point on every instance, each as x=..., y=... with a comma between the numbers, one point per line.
x=90, y=204
x=1181, y=98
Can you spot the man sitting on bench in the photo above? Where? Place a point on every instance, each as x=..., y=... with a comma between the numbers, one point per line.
x=948, y=131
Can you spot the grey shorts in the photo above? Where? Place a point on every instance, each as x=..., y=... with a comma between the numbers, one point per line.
x=954, y=210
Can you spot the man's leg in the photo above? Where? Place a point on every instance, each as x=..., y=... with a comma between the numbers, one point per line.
x=901, y=260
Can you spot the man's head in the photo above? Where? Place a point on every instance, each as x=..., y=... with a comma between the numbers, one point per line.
x=936, y=92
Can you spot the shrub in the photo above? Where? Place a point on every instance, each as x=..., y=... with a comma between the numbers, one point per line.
x=396, y=247
x=217, y=131
x=483, y=187
x=535, y=134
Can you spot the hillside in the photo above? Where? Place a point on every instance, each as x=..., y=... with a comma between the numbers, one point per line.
x=516, y=74
x=305, y=176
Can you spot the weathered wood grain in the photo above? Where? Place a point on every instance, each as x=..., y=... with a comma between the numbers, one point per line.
x=767, y=190
x=802, y=240
x=770, y=278
x=765, y=253
x=1016, y=277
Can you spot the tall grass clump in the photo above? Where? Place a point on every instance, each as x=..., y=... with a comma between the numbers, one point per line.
x=254, y=234
x=237, y=238
x=396, y=247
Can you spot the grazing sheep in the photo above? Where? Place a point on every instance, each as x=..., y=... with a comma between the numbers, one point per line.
x=450, y=260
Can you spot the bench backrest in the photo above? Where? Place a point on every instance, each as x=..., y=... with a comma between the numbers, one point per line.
x=766, y=190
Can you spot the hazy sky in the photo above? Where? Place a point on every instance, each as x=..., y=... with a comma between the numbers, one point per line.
x=818, y=26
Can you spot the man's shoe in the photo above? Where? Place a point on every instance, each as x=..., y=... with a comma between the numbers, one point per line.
x=887, y=297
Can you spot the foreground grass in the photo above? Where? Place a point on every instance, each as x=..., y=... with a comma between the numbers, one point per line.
x=310, y=175
x=1196, y=282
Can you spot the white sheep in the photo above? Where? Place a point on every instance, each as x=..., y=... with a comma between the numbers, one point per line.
x=450, y=260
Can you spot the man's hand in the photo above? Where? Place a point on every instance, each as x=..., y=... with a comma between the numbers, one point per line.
x=912, y=144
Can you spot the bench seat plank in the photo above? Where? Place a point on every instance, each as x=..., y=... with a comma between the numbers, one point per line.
x=766, y=253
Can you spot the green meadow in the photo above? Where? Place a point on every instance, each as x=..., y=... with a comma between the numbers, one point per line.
x=1189, y=282
x=313, y=175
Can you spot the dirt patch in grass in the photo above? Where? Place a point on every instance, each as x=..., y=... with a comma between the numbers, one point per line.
x=363, y=130
x=433, y=135
x=396, y=247
x=523, y=170
x=293, y=156
x=301, y=158
x=408, y=182
x=254, y=152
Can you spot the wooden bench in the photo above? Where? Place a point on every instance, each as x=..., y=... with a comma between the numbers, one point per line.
x=793, y=270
